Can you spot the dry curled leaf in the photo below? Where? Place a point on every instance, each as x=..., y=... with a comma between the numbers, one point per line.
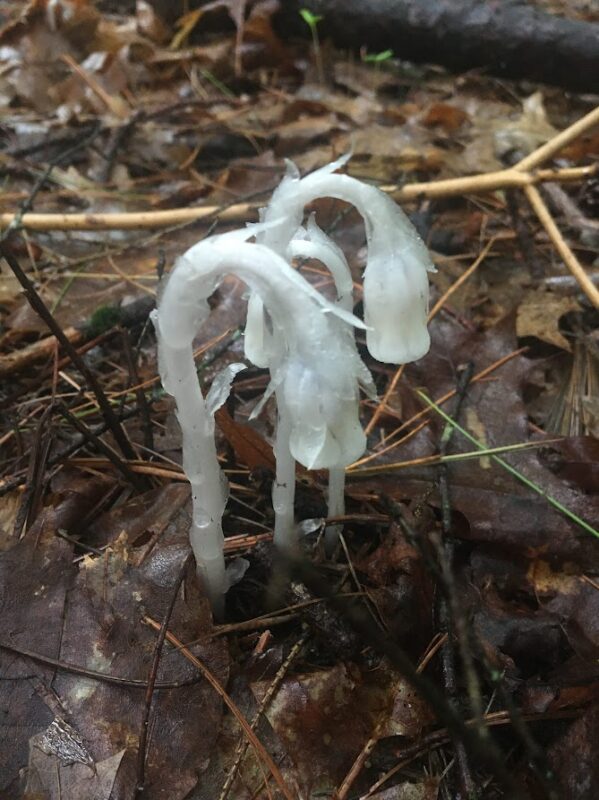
x=539, y=314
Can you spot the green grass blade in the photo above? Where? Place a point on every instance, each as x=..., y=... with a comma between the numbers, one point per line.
x=518, y=475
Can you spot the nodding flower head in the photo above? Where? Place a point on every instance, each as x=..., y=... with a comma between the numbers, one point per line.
x=395, y=277
x=323, y=404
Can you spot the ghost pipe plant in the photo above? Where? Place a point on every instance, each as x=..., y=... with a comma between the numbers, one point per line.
x=261, y=348
x=314, y=373
x=313, y=243
x=395, y=287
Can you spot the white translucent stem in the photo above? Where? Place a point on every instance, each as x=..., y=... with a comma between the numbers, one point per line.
x=208, y=485
x=319, y=246
x=336, y=506
x=283, y=489
x=212, y=575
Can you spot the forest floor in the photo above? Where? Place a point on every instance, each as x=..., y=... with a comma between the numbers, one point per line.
x=450, y=646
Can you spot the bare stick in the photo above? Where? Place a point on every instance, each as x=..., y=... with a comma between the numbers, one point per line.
x=261, y=753
x=558, y=142
x=21, y=359
x=562, y=247
x=94, y=675
x=489, y=182
x=143, y=736
x=38, y=305
x=100, y=445
x=449, y=610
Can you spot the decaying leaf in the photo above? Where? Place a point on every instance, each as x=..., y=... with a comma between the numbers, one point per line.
x=250, y=448
x=51, y=778
x=61, y=740
x=539, y=314
x=445, y=115
x=325, y=717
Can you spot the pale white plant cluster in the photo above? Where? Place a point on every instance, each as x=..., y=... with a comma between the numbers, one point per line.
x=306, y=342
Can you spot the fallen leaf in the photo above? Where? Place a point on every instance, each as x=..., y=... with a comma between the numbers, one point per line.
x=250, y=448
x=325, y=717
x=9, y=287
x=9, y=507
x=530, y=130
x=303, y=132
x=50, y=777
x=548, y=582
x=446, y=116
x=149, y=23
x=539, y=314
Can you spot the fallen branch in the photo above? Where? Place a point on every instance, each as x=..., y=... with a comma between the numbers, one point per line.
x=134, y=313
x=514, y=39
x=19, y=360
x=514, y=177
x=520, y=176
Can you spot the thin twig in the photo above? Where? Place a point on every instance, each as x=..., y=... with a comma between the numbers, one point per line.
x=8, y=484
x=485, y=182
x=64, y=140
x=449, y=611
x=118, y=139
x=35, y=471
x=538, y=204
x=143, y=735
x=261, y=753
x=243, y=745
x=44, y=312
x=121, y=465
x=90, y=673
x=140, y=395
x=437, y=458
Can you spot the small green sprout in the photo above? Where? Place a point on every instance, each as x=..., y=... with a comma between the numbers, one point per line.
x=376, y=58
x=309, y=18
x=312, y=21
